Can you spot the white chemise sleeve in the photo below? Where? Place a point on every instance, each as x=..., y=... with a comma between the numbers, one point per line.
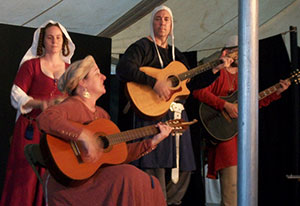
x=18, y=99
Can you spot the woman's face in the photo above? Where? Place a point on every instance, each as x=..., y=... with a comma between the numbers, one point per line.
x=53, y=40
x=233, y=53
x=162, y=24
x=95, y=81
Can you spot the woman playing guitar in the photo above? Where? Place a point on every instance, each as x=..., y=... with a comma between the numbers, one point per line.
x=222, y=157
x=121, y=184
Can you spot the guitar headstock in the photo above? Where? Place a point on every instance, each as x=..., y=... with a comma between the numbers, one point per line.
x=178, y=125
x=295, y=76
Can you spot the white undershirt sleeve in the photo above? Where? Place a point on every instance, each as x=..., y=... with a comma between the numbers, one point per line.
x=18, y=99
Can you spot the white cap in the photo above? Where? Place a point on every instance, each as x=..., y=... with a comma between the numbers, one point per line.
x=232, y=41
x=157, y=9
x=31, y=52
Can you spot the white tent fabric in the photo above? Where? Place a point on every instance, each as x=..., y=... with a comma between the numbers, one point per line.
x=203, y=25
x=200, y=25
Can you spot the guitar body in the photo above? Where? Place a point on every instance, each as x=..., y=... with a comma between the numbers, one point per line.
x=63, y=158
x=146, y=101
x=63, y=164
x=218, y=124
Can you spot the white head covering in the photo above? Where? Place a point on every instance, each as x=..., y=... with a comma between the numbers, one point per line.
x=232, y=41
x=18, y=96
x=157, y=9
x=31, y=52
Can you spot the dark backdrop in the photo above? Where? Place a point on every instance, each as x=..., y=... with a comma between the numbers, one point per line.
x=14, y=43
x=275, y=127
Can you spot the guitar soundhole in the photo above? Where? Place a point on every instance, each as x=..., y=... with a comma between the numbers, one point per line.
x=105, y=141
x=173, y=80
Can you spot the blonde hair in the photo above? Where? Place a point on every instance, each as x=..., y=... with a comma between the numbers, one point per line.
x=77, y=71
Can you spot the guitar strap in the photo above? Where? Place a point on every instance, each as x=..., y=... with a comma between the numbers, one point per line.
x=177, y=108
x=126, y=108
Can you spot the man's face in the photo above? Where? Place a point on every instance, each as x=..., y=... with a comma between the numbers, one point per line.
x=162, y=23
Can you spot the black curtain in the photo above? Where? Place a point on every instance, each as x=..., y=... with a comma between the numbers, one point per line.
x=125, y=116
x=14, y=43
x=195, y=194
x=275, y=136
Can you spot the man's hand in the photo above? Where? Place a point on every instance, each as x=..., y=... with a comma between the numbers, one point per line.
x=162, y=89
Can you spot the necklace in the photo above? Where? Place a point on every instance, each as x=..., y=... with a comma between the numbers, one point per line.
x=231, y=80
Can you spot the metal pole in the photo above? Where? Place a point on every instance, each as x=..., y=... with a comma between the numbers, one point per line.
x=248, y=103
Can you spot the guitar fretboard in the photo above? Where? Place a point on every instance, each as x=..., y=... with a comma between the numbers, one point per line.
x=132, y=134
x=270, y=90
x=199, y=69
x=177, y=126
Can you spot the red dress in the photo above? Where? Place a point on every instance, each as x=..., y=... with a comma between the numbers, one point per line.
x=21, y=186
x=224, y=154
x=117, y=185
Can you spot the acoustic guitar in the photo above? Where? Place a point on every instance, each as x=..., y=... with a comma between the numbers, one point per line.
x=219, y=125
x=148, y=104
x=64, y=160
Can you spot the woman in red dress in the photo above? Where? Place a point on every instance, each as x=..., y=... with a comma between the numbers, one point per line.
x=222, y=157
x=113, y=185
x=34, y=89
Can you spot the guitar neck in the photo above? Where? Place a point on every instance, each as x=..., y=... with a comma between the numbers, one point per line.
x=199, y=69
x=132, y=134
x=270, y=90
